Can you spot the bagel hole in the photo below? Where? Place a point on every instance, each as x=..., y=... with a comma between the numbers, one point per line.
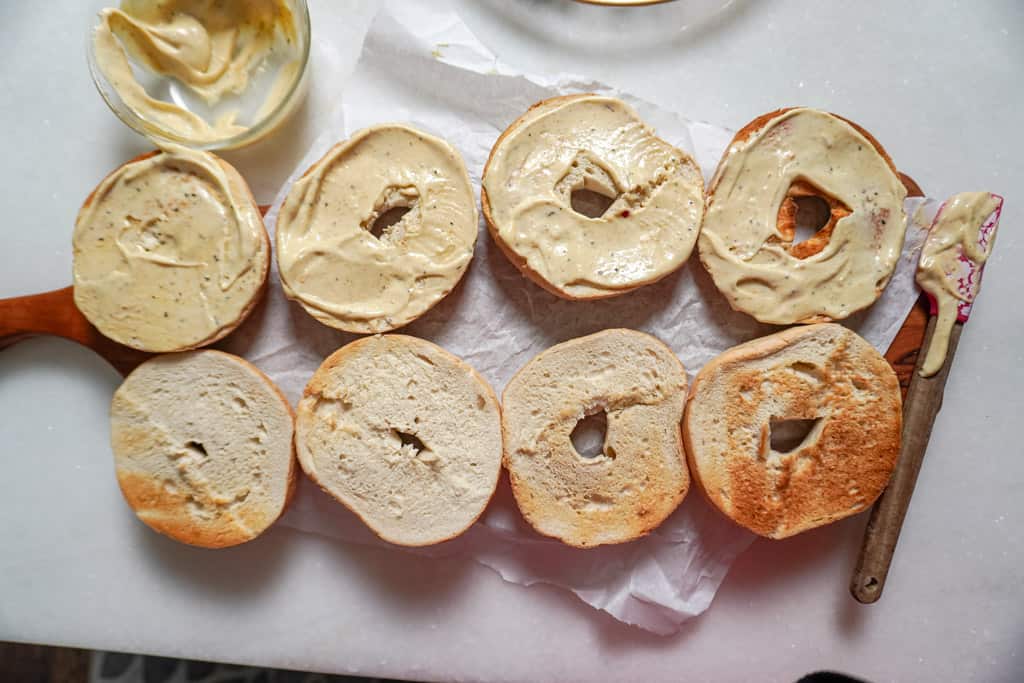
x=790, y=435
x=589, y=186
x=387, y=219
x=410, y=440
x=197, y=448
x=390, y=208
x=590, y=203
x=588, y=436
x=812, y=214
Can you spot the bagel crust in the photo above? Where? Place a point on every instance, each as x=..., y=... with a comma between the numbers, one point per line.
x=353, y=276
x=203, y=447
x=170, y=252
x=404, y=434
x=825, y=375
x=590, y=142
x=638, y=479
x=747, y=242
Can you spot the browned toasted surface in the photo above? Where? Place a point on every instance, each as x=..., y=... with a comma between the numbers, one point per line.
x=163, y=511
x=822, y=372
x=787, y=218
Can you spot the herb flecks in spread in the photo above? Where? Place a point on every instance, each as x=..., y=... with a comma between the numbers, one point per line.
x=169, y=251
x=343, y=267
x=753, y=262
x=596, y=144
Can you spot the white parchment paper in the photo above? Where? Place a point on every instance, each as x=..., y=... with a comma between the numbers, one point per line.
x=428, y=70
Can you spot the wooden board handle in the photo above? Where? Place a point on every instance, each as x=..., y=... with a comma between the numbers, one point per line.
x=922, y=404
x=47, y=313
x=55, y=313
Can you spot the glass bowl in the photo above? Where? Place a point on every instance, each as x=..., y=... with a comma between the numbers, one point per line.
x=610, y=26
x=168, y=89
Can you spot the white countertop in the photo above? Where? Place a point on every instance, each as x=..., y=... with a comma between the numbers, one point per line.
x=938, y=85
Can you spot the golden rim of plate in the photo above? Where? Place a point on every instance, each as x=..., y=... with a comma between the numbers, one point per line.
x=623, y=3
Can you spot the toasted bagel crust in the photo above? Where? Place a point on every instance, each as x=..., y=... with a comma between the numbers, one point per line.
x=203, y=447
x=823, y=373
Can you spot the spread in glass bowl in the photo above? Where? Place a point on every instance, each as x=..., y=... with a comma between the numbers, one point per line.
x=205, y=73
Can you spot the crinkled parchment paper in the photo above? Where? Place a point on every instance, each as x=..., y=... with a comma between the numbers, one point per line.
x=428, y=70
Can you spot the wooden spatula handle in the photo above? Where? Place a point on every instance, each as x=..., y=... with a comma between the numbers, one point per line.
x=922, y=404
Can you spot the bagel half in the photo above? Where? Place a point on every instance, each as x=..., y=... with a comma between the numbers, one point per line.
x=639, y=477
x=170, y=252
x=823, y=378
x=404, y=434
x=338, y=259
x=748, y=240
x=646, y=233
x=203, y=447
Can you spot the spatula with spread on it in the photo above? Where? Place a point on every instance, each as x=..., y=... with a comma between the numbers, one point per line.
x=949, y=271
